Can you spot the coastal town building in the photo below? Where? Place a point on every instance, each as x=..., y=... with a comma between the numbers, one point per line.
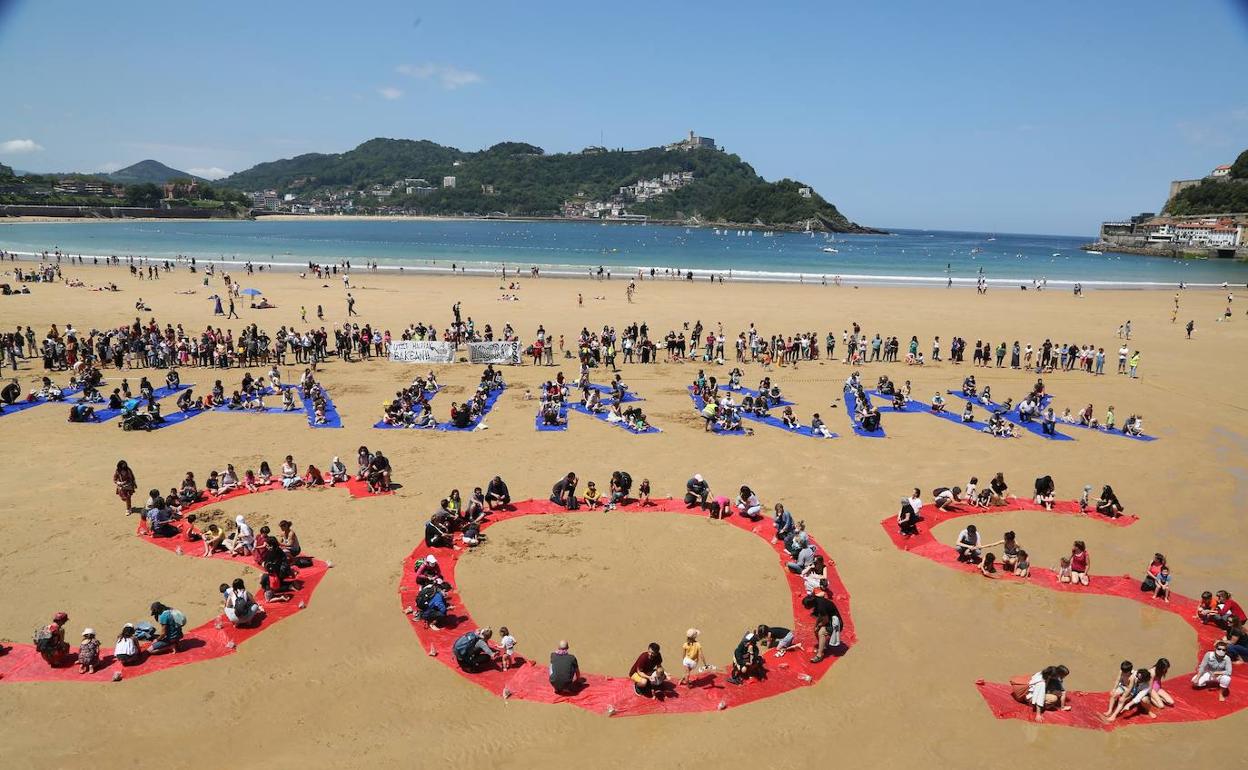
x=448, y=181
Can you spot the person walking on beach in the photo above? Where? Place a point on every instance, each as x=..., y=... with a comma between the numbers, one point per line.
x=233, y=313
x=351, y=305
x=1191, y=325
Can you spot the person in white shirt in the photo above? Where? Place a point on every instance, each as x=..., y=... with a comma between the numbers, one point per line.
x=1215, y=667
x=916, y=502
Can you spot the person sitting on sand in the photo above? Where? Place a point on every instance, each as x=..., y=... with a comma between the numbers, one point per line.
x=473, y=652
x=968, y=544
x=170, y=623
x=290, y=473
x=1079, y=563
x=1022, y=567
x=565, y=671
x=1046, y=492
x=647, y=671
x=697, y=491
x=818, y=427
x=213, y=539
x=1131, y=693
x=1108, y=504
x=938, y=403
x=907, y=519
x=1157, y=693
x=496, y=494
x=241, y=541
x=748, y=504
x=437, y=535
x=815, y=575
x=228, y=481
x=782, y=520
x=379, y=473
x=776, y=638
x=337, y=472
x=968, y=413
x=240, y=607
x=1046, y=691
x=564, y=492
x=1215, y=668
x=828, y=624
x=50, y=640
x=746, y=660
x=999, y=489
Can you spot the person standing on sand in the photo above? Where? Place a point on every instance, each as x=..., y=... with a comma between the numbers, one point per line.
x=123, y=479
x=351, y=305
x=1191, y=326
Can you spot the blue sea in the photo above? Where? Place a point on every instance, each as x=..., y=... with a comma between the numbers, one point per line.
x=575, y=248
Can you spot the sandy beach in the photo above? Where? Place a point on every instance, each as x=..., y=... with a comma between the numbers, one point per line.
x=346, y=682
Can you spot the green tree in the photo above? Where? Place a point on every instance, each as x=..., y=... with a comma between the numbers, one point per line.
x=1239, y=169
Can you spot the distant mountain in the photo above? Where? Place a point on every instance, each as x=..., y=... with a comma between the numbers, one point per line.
x=522, y=180
x=148, y=171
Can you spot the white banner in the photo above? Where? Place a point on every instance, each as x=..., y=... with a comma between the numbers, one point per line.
x=494, y=352
x=418, y=352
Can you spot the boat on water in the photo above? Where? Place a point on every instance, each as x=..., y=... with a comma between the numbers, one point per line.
x=1093, y=251
x=830, y=250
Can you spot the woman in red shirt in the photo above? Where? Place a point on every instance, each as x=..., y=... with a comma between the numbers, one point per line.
x=1079, y=561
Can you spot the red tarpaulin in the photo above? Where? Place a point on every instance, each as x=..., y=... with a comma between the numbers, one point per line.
x=613, y=695
x=1086, y=707
x=23, y=664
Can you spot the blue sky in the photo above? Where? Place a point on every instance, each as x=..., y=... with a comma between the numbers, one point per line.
x=1007, y=116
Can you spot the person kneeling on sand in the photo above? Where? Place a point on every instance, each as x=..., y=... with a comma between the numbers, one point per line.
x=828, y=624
x=746, y=660
x=647, y=671
x=473, y=652
x=1044, y=691
x=1215, y=667
x=565, y=671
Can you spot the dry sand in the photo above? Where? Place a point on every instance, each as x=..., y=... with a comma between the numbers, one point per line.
x=347, y=684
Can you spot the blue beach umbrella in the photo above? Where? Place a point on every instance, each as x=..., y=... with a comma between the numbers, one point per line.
x=251, y=292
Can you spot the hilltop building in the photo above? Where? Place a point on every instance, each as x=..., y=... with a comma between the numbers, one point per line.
x=692, y=142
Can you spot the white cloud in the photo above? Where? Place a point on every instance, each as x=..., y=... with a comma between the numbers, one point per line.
x=448, y=76
x=19, y=146
x=212, y=172
x=390, y=93
x=109, y=167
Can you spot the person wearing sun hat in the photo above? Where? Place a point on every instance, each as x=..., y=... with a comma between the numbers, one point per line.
x=88, y=652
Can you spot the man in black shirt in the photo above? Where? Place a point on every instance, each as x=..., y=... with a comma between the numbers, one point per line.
x=697, y=491
x=497, y=494
x=565, y=672
x=564, y=492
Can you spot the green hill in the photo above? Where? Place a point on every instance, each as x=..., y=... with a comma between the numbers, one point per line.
x=1226, y=196
x=148, y=172
x=521, y=179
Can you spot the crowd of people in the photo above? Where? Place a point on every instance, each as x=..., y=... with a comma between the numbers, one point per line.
x=1137, y=691
x=475, y=651
x=554, y=397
